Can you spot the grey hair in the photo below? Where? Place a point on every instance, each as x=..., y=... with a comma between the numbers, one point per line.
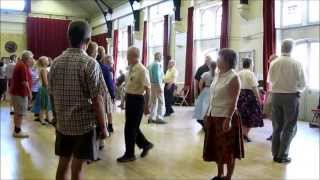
x=134, y=50
x=229, y=56
x=172, y=61
x=287, y=46
x=157, y=55
x=26, y=54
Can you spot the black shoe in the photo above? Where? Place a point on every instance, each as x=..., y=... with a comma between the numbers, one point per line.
x=36, y=115
x=125, y=158
x=150, y=121
x=110, y=128
x=37, y=119
x=200, y=122
x=282, y=160
x=247, y=139
x=217, y=178
x=160, y=121
x=11, y=113
x=167, y=114
x=146, y=150
x=269, y=138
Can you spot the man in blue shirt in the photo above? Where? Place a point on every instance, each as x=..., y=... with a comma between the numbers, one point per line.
x=157, y=95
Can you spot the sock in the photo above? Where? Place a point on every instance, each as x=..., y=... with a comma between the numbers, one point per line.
x=17, y=130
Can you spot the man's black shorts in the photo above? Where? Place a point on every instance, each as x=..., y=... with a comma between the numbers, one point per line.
x=79, y=146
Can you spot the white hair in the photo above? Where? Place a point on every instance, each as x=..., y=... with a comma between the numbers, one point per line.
x=26, y=54
x=287, y=46
x=134, y=50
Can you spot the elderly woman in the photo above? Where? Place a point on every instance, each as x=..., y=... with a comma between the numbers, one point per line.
x=92, y=49
x=42, y=105
x=203, y=100
x=223, y=140
x=106, y=66
x=249, y=100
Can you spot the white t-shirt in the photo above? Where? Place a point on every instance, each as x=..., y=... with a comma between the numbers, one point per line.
x=9, y=70
x=248, y=79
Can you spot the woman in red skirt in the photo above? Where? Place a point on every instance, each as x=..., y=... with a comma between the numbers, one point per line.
x=223, y=140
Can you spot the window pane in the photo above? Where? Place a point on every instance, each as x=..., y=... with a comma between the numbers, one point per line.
x=277, y=13
x=156, y=33
x=218, y=21
x=12, y=4
x=299, y=53
x=292, y=12
x=313, y=10
x=207, y=24
x=314, y=66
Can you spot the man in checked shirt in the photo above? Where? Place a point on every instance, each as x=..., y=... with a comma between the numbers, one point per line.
x=76, y=88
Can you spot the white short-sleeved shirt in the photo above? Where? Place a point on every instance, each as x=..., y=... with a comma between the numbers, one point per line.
x=207, y=78
x=138, y=78
x=220, y=100
x=248, y=79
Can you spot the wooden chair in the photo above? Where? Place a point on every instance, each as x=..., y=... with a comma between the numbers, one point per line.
x=316, y=117
x=182, y=95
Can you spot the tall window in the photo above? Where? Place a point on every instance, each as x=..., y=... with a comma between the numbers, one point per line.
x=207, y=31
x=156, y=20
x=123, y=24
x=17, y=5
x=308, y=54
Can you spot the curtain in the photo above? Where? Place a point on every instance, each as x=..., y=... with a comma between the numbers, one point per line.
x=224, y=37
x=130, y=36
x=101, y=40
x=165, y=42
x=47, y=37
x=269, y=36
x=145, y=44
x=115, y=50
x=189, y=55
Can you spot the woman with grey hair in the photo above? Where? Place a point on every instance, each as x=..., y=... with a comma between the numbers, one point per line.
x=223, y=140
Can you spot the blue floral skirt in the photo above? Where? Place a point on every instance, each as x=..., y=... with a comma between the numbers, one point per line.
x=42, y=101
x=249, y=109
x=202, y=104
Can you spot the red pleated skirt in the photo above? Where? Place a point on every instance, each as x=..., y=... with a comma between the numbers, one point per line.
x=220, y=146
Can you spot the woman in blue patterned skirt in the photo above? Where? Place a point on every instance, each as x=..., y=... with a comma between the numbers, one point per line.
x=249, y=100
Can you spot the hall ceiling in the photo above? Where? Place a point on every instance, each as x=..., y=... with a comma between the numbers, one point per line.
x=91, y=7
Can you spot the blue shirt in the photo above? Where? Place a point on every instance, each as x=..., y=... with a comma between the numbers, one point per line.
x=156, y=73
x=107, y=75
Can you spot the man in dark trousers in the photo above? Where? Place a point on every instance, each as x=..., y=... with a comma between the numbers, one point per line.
x=137, y=85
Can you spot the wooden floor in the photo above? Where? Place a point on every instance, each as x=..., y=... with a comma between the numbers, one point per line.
x=177, y=153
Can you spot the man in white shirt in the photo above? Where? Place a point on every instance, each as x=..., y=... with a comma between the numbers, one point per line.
x=287, y=80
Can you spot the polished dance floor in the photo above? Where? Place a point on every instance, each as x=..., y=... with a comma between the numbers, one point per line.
x=177, y=153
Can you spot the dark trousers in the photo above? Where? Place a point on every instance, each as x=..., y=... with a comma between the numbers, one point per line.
x=132, y=133
x=285, y=110
x=169, y=98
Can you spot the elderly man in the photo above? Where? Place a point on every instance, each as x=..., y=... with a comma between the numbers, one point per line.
x=20, y=91
x=202, y=69
x=137, y=85
x=170, y=85
x=287, y=82
x=76, y=89
x=157, y=96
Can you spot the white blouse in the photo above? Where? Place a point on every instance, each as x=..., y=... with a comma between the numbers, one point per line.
x=248, y=79
x=220, y=100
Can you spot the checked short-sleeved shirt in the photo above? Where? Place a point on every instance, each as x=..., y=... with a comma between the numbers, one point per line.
x=74, y=79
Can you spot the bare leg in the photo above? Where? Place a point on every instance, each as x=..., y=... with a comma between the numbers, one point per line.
x=77, y=169
x=230, y=167
x=17, y=119
x=63, y=168
x=109, y=116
